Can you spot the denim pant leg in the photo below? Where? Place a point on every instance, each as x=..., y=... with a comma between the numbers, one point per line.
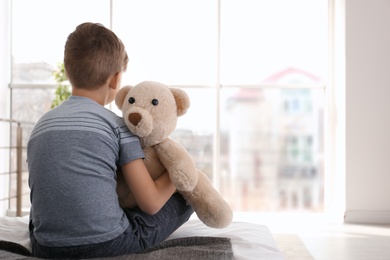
x=121, y=245
x=152, y=229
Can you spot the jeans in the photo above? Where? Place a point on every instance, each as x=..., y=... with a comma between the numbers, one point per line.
x=143, y=232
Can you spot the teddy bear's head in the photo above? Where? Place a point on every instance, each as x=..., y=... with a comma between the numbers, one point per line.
x=150, y=110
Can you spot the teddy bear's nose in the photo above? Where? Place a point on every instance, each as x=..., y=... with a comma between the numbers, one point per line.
x=135, y=118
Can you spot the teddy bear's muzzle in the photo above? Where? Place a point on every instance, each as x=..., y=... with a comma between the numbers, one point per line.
x=135, y=118
x=139, y=122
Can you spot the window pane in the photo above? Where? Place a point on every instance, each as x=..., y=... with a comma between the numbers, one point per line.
x=260, y=38
x=29, y=104
x=39, y=32
x=171, y=41
x=195, y=129
x=272, y=148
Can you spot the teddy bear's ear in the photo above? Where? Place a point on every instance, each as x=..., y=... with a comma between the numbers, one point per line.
x=182, y=100
x=120, y=96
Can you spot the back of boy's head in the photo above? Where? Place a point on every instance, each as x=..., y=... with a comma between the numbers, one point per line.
x=92, y=54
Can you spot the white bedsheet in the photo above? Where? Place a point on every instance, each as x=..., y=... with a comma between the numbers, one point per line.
x=249, y=241
x=15, y=229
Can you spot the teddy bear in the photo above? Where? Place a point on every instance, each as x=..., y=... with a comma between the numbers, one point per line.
x=150, y=110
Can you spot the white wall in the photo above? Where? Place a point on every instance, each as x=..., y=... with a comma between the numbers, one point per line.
x=367, y=111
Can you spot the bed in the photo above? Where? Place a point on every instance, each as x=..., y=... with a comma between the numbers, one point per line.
x=193, y=240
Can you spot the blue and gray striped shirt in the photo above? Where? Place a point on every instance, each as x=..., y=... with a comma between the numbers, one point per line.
x=73, y=154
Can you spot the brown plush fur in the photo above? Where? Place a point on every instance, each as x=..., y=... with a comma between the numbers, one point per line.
x=153, y=124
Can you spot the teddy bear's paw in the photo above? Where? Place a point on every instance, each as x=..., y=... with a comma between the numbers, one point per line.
x=218, y=222
x=184, y=181
x=218, y=215
x=208, y=204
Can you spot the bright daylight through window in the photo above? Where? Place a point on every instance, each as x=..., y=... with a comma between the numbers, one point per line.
x=255, y=71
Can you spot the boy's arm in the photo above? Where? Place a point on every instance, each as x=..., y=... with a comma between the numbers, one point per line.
x=150, y=195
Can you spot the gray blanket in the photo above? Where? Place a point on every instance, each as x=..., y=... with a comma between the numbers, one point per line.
x=188, y=248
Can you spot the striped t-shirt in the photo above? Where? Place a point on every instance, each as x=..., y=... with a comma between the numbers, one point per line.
x=73, y=154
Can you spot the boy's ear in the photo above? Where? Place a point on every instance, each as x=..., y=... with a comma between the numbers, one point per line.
x=114, y=81
x=121, y=95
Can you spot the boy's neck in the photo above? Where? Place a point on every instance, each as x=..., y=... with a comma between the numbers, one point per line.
x=96, y=95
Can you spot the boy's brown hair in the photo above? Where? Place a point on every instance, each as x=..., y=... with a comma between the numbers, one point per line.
x=92, y=54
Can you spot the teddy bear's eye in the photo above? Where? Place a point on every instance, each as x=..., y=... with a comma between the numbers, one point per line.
x=155, y=102
x=131, y=100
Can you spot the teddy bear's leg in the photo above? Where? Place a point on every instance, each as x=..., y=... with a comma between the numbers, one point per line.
x=208, y=204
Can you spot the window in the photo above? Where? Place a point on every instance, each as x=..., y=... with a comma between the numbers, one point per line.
x=255, y=72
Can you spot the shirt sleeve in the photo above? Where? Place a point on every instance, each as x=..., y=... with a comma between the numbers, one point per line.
x=129, y=147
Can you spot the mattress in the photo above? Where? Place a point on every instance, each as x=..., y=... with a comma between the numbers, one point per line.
x=248, y=240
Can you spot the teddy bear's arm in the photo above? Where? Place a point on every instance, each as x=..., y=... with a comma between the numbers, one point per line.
x=179, y=164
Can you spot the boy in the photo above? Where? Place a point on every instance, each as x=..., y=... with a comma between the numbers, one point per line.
x=73, y=154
